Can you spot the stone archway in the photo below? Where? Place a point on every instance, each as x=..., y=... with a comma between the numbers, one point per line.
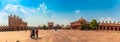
x=22, y=28
x=107, y=28
x=115, y=28
x=17, y=28
x=103, y=28
x=111, y=28
x=119, y=29
x=100, y=28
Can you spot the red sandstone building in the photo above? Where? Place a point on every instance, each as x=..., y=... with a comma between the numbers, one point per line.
x=102, y=25
x=50, y=25
x=14, y=23
x=109, y=26
x=78, y=23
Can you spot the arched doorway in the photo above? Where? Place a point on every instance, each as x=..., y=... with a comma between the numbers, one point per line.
x=111, y=28
x=119, y=29
x=103, y=28
x=17, y=28
x=107, y=28
x=100, y=28
x=115, y=28
x=22, y=28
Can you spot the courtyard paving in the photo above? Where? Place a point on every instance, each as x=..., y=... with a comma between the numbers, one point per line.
x=62, y=36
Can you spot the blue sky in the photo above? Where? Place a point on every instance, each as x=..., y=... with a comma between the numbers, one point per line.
x=39, y=12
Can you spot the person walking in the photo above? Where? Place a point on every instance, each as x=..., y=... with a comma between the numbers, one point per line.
x=32, y=33
x=37, y=30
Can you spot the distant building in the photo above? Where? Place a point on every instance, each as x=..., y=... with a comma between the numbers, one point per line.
x=103, y=25
x=58, y=27
x=16, y=22
x=77, y=24
x=62, y=26
x=67, y=27
x=3, y=27
x=108, y=26
x=50, y=25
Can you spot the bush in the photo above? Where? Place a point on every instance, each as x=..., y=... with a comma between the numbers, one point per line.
x=45, y=27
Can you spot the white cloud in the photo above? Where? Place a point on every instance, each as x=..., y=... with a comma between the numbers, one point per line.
x=34, y=16
x=16, y=9
x=106, y=19
x=43, y=7
x=109, y=19
x=53, y=17
x=23, y=10
x=77, y=11
x=11, y=7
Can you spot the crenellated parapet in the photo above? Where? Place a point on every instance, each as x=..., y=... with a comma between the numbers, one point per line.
x=108, y=22
x=14, y=17
x=2, y=25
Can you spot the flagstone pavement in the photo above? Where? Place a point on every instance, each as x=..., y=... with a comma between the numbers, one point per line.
x=62, y=36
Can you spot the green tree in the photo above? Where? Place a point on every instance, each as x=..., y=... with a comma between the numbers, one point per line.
x=93, y=24
x=83, y=26
x=45, y=27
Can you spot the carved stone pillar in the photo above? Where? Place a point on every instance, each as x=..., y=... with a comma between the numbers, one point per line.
x=113, y=28
x=117, y=28
x=102, y=28
x=109, y=28
x=106, y=28
x=99, y=28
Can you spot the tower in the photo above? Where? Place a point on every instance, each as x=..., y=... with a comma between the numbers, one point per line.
x=50, y=25
x=16, y=23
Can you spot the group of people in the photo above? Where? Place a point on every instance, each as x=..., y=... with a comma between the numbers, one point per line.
x=34, y=33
